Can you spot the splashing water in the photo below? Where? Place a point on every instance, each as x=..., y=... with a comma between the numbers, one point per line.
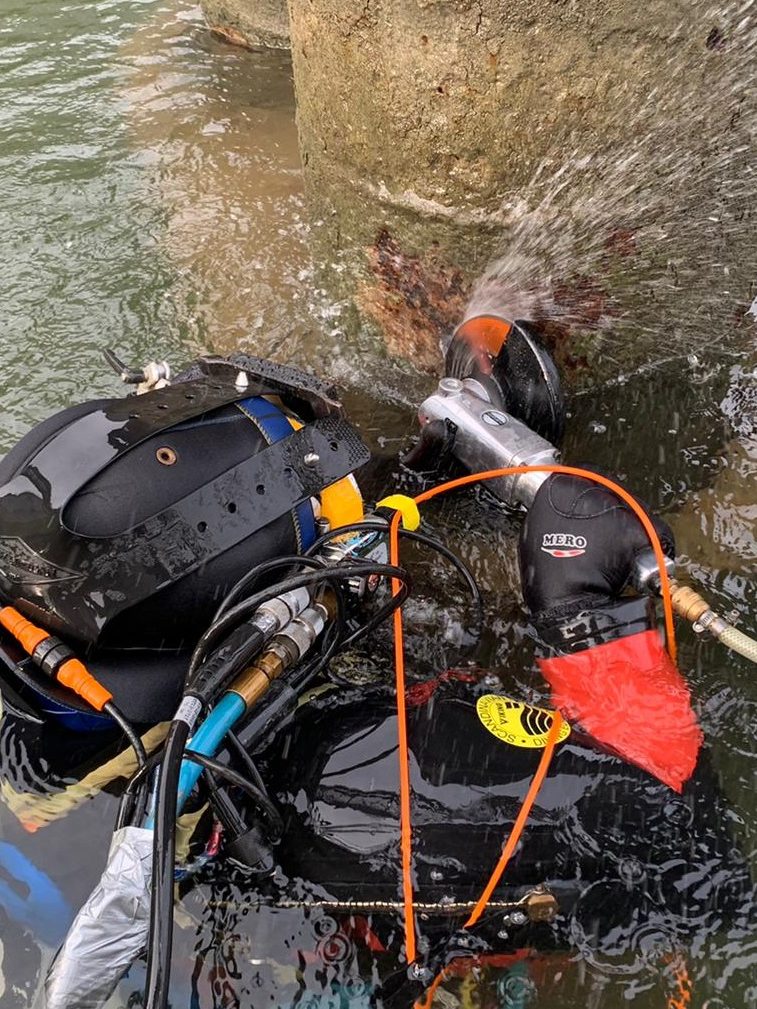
x=649, y=238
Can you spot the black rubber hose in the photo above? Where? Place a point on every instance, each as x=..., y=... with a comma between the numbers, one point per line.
x=224, y=809
x=212, y=676
x=248, y=580
x=460, y=566
x=353, y=527
x=244, y=758
x=429, y=541
x=379, y=616
x=229, y=774
x=239, y=648
x=139, y=775
x=128, y=730
x=160, y=936
x=137, y=780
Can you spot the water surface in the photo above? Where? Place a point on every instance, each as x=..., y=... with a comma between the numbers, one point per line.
x=151, y=200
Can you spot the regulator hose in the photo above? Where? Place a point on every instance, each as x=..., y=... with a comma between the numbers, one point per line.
x=308, y=579
x=211, y=677
x=225, y=648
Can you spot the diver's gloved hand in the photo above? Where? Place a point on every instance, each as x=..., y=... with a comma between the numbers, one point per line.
x=610, y=670
x=578, y=548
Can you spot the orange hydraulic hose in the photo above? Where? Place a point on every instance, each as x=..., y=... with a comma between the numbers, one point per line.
x=507, y=851
x=406, y=843
x=604, y=481
x=428, y=996
x=406, y=828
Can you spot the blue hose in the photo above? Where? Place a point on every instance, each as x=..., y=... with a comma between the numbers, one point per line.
x=207, y=741
x=30, y=897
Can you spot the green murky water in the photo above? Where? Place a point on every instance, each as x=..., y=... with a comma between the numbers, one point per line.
x=150, y=200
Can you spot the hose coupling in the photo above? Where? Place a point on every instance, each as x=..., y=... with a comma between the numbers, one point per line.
x=692, y=607
x=285, y=650
x=255, y=681
x=276, y=613
x=54, y=658
x=301, y=632
x=645, y=577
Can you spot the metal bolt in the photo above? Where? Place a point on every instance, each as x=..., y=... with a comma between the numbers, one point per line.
x=450, y=386
x=312, y=459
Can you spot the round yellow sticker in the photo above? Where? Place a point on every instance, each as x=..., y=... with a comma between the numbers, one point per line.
x=517, y=723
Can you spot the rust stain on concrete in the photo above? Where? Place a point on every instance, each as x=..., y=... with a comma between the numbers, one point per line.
x=230, y=35
x=414, y=301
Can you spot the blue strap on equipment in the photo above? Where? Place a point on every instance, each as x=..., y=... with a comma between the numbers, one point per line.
x=275, y=426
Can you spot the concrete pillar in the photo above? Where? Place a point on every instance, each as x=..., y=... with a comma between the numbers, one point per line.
x=251, y=23
x=586, y=145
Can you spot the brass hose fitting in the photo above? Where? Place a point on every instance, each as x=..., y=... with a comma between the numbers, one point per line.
x=687, y=603
x=690, y=605
x=254, y=681
x=286, y=649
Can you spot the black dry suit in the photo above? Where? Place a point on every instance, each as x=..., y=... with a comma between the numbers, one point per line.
x=614, y=845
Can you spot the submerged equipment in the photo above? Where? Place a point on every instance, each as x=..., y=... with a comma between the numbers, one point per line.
x=286, y=579
x=474, y=754
x=262, y=627
x=123, y=522
x=501, y=405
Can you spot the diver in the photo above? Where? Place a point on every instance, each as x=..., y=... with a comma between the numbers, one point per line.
x=201, y=552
